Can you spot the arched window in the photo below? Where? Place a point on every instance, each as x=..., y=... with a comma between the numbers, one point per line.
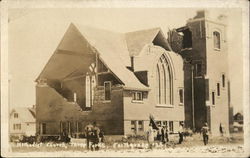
x=216, y=36
x=163, y=82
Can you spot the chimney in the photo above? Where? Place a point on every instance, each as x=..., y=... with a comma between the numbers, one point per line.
x=132, y=62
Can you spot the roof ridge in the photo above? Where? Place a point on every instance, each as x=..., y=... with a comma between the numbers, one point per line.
x=94, y=27
x=142, y=30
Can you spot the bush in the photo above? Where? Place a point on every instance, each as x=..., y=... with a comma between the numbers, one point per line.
x=28, y=139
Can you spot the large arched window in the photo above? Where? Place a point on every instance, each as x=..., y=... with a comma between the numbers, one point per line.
x=90, y=84
x=216, y=36
x=163, y=82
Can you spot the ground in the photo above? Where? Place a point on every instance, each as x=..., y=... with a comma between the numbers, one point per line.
x=218, y=146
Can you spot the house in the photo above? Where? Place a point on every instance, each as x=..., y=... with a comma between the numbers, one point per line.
x=22, y=122
x=202, y=43
x=114, y=79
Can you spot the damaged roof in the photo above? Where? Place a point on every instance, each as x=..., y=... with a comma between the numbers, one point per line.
x=114, y=49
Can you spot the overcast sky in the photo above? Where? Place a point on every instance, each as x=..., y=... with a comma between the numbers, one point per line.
x=35, y=33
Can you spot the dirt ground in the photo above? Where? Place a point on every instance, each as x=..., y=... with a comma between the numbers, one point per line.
x=191, y=146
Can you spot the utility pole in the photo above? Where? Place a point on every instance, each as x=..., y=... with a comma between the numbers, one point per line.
x=192, y=85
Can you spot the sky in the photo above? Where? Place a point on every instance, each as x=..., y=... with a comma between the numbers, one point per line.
x=35, y=33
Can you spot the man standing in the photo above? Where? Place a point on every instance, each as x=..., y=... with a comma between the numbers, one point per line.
x=88, y=133
x=181, y=133
x=166, y=133
x=163, y=134
x=204, y=131
x=150, y=136
x=96, y=136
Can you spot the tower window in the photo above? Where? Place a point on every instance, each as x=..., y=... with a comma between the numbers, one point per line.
x=223, y=80
x=207, y=88
x=187, y=39
x=213, y=98
x=198, y=69
x=216, y=36
x=218, y=89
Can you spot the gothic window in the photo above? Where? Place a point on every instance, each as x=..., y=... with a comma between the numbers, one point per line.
x=216, y=36
x=163, y=82
x=90, y=83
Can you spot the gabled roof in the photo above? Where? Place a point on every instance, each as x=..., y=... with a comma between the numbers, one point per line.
x=114, y=49
x=138, y=39
x=24, y=114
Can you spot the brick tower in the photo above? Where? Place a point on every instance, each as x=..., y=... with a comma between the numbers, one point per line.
x=202, y=44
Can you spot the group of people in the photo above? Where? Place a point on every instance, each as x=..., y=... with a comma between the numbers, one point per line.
x=163, y=134
x=93, y=136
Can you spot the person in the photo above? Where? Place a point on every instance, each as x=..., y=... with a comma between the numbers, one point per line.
x=221, y=129
x=163, y=134
x=101, y=135
x=180, y=133
x=88, y=133
x=166, y=134
x=150, y=136
x=96, y=136
x=204, y=131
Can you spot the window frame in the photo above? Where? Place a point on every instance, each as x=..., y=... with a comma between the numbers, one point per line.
x=196, y=74
x=17, y=126
x=105, y=90
x=223, y=81
x=16, y=115
x=135, y=97
x=171, y=126
x=164, y=90
x=218, y=89
x=142, y=126
x=133, y=130
x=213, y=98
x=181, y=101
x=216, y=46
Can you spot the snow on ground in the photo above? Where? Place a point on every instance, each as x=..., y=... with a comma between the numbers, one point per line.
x=192, y=146
x=207, y=151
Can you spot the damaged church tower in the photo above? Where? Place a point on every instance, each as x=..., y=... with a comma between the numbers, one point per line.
x=202, y=44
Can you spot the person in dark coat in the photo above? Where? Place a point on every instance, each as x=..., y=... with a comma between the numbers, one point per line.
x=166, y=134
x=163, y=130
x=181, y=133
x=205, y=131
x=89, y=134
x=96, y=136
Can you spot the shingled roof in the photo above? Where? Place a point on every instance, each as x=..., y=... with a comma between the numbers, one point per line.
x=113, y=48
